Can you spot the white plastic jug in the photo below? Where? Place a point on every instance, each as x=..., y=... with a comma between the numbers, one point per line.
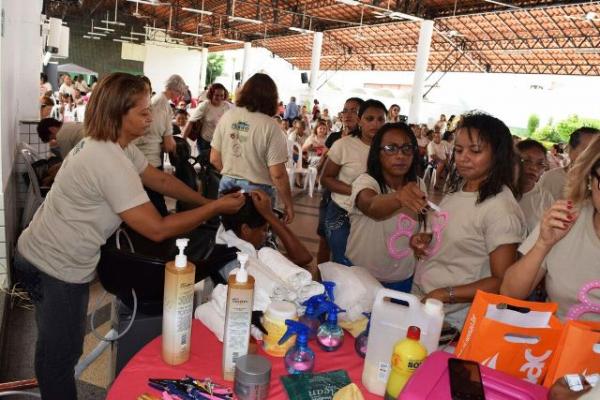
x=389, y=323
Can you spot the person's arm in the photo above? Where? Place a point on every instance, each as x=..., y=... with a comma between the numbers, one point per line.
x=295, y=250
x=215, y=159
x=330, y=181
x=169, y=144
x=281, y=181
x=168, y=185
x=187, y=129
x=197, y=115
x=145, y=220
x=524, y=275
x=500, y=260
x=382, y=206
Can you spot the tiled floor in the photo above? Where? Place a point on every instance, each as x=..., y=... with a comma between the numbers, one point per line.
x=17, y=360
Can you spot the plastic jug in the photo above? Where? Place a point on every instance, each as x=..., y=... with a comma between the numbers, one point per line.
x=389, y=323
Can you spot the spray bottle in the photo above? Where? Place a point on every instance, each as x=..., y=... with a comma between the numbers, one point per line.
x=360, y=344
x=329, y=288
x=310, y=317
x=178, y=307
x=329, y=335
x=300, y=358
x=238, y=315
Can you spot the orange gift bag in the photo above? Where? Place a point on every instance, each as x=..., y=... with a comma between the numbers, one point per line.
x=513, y=336
x=578, y=351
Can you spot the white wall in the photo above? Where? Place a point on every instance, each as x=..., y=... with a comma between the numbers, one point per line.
x=163, y=60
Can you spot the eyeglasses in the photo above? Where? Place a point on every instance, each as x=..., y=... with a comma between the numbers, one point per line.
x=530, y=163
x=391, y=149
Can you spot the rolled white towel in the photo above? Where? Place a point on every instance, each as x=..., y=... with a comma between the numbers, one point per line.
x=210, y=316
x=291, y=274
x=310, y=290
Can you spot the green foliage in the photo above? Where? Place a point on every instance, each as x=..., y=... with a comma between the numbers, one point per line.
x=532, y=124
x=216, y=63
x=561, y=131
x=521, y=132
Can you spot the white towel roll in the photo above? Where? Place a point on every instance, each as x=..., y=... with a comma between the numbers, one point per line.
x=291, y=274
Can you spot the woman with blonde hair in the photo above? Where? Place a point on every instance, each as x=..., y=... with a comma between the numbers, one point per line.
x=565, y=247
x=99, y=186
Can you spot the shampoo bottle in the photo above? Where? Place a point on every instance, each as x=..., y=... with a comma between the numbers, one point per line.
x=238, y=315
x=178, y=307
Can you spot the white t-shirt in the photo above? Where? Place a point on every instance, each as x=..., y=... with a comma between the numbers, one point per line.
x=294, y=137
x=572, y=262
x=440, y=150
x=210, y=116
x=367, y=242
x=314, y=141
x=249, y=143
x=97, y=181
x=45, y=87
x=68, y=136
x=64, y=88
x=471, y=233
x=422, y=141
x=150, y=143
x=351, y=154
x=554, y=182
x=533, y=204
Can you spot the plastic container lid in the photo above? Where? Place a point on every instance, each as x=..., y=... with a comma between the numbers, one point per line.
x=281, y=310
x=413, y=333
x=252, y=369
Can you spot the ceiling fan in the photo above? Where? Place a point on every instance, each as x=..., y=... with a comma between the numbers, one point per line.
x=137, y=13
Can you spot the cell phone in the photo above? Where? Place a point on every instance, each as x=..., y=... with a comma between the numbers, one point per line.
x=465, y=380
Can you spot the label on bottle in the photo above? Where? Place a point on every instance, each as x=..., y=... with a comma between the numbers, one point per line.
x=237, y=328
x=383, y=371
x=407, y=366
x=177, y=317
x=276, y=329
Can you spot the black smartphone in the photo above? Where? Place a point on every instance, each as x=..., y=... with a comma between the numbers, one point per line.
x=465, y=380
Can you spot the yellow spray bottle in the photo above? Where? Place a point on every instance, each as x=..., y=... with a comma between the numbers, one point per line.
x=408, y=354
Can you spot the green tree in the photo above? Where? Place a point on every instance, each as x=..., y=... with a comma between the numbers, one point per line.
x=561, y=131
x=532, y=124
x=216, y=63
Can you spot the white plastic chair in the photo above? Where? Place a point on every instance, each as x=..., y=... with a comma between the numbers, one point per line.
x=295, y=167
x=34, y=192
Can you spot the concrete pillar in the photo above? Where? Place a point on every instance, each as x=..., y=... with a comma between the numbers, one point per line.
x=423, y=49
x=315, y=62
x=246, y=64
x=203, y=70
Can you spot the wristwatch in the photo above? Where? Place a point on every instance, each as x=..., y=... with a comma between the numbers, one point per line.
x=451, y=297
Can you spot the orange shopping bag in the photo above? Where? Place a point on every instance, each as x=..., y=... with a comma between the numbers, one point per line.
x=578, y=351
x=513, y=336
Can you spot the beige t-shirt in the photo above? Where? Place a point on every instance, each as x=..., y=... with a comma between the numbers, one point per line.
x=367, y=242
x=294, y=137
x=351, y=154
x=440, y=150
x=249, y=143
x=210, y=116
x=533, y=204
x=68, y=136
x=150, y=143
x=472, y=232
x=554, y=182
x=572, y=262
x=422, y=141
x=97, y=181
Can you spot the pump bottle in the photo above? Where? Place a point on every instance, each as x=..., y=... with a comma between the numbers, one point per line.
x=310, y=317
x=300, y=358
x=238, y=315
x=329, y=335
x=178, y=307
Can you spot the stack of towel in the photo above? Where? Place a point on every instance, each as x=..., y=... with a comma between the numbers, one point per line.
x=275, y=278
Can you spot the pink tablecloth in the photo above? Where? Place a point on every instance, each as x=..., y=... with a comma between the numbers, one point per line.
x=205, y=361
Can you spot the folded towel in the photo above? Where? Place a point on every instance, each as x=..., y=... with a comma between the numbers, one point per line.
x=231, y=240
x=291, y=274
x=210, y=316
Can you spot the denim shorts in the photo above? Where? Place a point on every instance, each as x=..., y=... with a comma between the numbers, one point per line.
x=228, y=182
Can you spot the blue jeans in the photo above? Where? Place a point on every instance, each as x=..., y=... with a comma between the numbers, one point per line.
x=60, y=316
x=337, y=230
x=228, y=182
x=401, y=286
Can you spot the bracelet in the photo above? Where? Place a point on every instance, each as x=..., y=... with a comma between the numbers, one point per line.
x=451, y=297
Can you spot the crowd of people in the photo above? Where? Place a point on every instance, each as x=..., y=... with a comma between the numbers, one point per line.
x=515, y=219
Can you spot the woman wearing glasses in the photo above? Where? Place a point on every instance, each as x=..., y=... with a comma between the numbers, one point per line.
x=565, y=248
x=390, y=187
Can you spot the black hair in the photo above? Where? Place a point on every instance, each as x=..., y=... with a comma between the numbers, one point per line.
x=558, y=148
x=575, y=138
x=446, y=135
x=374, y=167
x=364, y=106
x=181, y=111
x=43, y=77
x=529, y=144
x=43, y=128
x=246, y=215
x=494, y=132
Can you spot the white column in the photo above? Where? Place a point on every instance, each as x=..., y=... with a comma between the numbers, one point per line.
x=423, y=49
x=315, y=63
x=246, y=64
x=203, y=70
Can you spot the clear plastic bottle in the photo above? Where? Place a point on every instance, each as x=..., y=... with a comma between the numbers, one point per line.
x=300, y=358
x=330, y=336
x=360, y=344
